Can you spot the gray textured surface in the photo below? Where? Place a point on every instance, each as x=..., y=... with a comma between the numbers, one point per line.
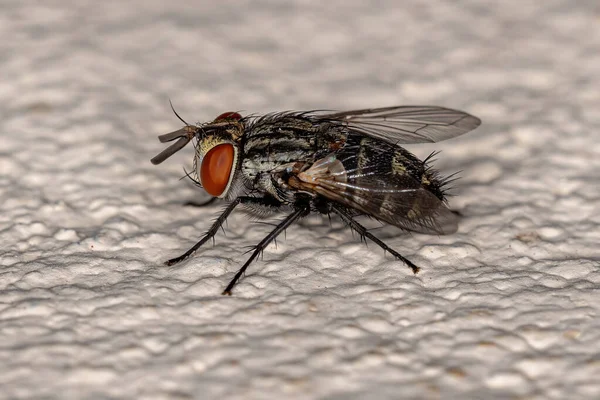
x=507, y=307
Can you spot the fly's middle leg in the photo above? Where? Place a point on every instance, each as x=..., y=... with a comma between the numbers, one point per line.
x=348, y=219
x=298, y=213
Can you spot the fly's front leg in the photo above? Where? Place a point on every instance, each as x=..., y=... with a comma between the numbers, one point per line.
x=363, y=232
x=203, y=204
x=215, y=227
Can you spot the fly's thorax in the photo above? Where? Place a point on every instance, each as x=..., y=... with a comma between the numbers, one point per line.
x=273, y=142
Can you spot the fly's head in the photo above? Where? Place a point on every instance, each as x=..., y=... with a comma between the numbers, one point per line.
x=217, y=151
x=217, y=154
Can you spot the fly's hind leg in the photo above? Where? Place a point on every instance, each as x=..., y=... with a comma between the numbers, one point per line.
x=348, y=219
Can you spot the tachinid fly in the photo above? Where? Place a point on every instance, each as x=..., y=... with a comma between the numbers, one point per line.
x=345, y=163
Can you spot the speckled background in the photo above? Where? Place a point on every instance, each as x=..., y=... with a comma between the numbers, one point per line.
x=505, y=308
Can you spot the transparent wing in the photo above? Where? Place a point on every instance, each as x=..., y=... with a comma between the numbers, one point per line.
x=404, y=203
x=407, y=124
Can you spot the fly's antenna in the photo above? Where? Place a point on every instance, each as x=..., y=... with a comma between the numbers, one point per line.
x=185, y=134
x=175, y=112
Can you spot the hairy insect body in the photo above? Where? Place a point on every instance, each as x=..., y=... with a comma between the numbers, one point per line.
x=395, y=167
x=347, y=163
x=277, y=152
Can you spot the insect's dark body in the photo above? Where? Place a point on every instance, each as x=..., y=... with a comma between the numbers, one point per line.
x=277, y=140
x=348, y=163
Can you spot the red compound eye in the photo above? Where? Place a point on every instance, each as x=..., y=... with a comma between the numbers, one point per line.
x=229, y=115
x=216, y=168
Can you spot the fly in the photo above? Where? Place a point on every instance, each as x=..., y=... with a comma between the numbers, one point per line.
x=345, y=163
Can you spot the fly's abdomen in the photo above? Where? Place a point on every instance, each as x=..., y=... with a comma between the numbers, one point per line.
x=388, y=181
x=381, y=163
